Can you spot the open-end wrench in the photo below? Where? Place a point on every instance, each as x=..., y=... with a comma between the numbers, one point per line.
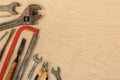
x=29, y=17
x=10, y=8
x=36, y=60
x=56, y=73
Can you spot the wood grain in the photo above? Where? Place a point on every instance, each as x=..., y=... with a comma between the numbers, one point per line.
x=80, y=36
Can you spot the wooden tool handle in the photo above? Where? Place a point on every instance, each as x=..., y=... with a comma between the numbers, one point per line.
x=11, y=71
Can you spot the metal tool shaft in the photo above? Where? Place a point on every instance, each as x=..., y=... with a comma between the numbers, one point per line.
x=10, y=24
x=26, y=58
x=32, y=70
x=3, y=35
x=4, y=47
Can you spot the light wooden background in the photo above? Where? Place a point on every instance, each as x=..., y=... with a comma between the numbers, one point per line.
x=80, y=36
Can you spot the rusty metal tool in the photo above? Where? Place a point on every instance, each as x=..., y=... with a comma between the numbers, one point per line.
x=14, y=64
x=29, y=17
x=10, y=8
x=43, y=71
x=56, y=73
x=4, y=47
x=12, y=46
x=36, y=61
x=5, y=34
x=26, y=58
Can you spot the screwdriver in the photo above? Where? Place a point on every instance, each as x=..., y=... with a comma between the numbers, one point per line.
x=14, y=64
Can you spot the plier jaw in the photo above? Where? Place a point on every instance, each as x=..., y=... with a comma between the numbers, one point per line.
x=43, y=71
x=45, y=67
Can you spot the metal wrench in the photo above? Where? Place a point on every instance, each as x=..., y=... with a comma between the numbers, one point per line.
x=10, y=8
x=28, y=17
x=56, y=73
x=36, y=60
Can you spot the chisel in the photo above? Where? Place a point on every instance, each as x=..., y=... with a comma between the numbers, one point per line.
x=14, y=64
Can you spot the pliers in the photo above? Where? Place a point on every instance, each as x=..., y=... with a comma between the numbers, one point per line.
x=43, y=71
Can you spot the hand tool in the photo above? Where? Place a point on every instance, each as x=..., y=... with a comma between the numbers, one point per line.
x=12, y=46
x=28, y=17
x=14, y=64
x=10, y=8
x=3, y=16
x=56, y=73
x=43, y=71
x=36, y=61
x=5, y=34
x=4, y=47
x=26, y=58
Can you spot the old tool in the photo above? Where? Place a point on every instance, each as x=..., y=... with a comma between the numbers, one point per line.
x=26, y=58
x=43, y=71
x=10, y=8
x=56, y=73
x=28, y=17
x=14, y=64
x=4, y=47
x=5, y=34
x=12, y=46
x=36, y=61
x=4, y=16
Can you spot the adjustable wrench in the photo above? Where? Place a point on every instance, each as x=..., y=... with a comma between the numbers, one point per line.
x=36, y=60
x=10, y=8
x=28, y=17
x=56, y=73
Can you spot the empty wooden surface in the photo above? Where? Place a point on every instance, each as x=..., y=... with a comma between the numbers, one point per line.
x=80, y=36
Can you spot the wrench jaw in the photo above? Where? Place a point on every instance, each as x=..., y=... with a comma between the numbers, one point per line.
x=58, y=69
x=34, y=13
x=56, y=73
x=37, y=59
x=30, y=14
x=12, y=8
x=53, y=70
